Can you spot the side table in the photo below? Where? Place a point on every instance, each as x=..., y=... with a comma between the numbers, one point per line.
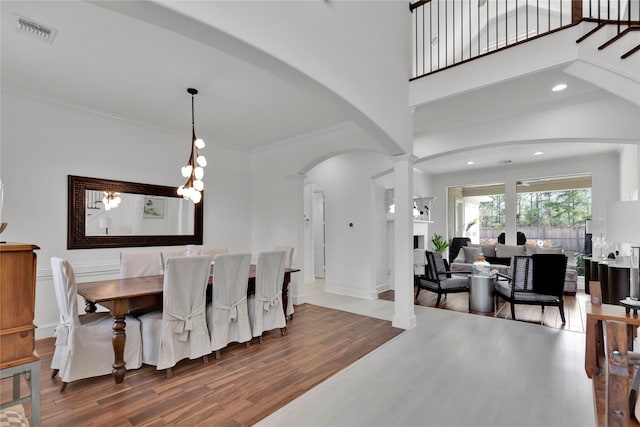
x=481, y=294
x=594, y=340
x=31, y=371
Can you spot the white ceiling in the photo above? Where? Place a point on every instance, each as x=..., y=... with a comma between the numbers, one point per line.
x=115, y=65
x=496, y=103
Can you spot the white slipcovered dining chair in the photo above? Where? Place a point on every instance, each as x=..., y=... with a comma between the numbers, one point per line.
x=180, y=330
x=84, y=346
x=170, y=253
x=265, y=305
x=288, y=260
x=206, y=250
x=227, y=314
x=140, y=263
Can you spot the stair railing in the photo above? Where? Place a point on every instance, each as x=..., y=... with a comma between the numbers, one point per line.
x=451, y=32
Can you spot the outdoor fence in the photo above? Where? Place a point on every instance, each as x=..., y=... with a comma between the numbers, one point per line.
x=569, y=238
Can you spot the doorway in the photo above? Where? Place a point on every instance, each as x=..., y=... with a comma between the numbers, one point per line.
x=318, y=232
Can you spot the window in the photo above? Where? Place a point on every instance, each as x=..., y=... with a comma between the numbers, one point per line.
x=553, y=211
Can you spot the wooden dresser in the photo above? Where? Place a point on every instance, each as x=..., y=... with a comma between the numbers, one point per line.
x=17, y=331
x=17, y=304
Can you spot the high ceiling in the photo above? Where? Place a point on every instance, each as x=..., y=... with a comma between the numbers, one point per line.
x=495, y=104
x=109, y=63
x=114, y=65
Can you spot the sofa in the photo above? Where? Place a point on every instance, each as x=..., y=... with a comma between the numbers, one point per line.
x=499, y=256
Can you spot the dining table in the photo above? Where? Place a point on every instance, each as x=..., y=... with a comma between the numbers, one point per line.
x=122, y=296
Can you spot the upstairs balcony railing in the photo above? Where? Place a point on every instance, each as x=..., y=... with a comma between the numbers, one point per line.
x=451, y=32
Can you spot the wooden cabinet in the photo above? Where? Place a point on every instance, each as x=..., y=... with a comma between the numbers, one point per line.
x=17, y=303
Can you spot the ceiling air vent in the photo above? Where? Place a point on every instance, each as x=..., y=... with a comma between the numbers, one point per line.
x=35, y=29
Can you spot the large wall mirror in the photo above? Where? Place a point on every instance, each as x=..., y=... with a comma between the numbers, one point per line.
x=105, y=213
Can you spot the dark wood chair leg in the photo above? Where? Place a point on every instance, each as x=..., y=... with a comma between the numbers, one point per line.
x=54, y=373
x=169, y=373
x=283, y=331
x=438, y=300
x=205, y=359
x=561, y=307
x=247, y=344
x=260, y=339
x=217, y=354
x=513, y=310
x=64, y=386
x=417, y=293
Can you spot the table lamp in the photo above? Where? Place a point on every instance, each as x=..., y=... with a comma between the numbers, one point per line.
x=104, y=223
x=595, y=227
x=623, y=226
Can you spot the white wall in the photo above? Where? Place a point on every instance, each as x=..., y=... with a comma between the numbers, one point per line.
x=603, y=169
x=629, y=174
x=350, y=197
x=43, y=142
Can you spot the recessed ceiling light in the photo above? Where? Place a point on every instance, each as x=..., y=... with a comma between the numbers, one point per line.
x=471, y=162
x=559, y=87
x=538, y=153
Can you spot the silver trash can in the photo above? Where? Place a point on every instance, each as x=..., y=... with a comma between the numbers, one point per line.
x=481, y=294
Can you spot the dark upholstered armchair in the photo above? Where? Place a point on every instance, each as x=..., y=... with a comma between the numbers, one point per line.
x=521, y=239
x=438, y=278
x=534, y=280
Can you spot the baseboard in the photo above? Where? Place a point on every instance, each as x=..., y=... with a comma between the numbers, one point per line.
x=350, y=292
x=383, y=288
x=45, y=331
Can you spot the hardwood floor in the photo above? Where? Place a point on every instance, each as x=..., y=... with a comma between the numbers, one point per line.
x=244, y=386
x=573, y=309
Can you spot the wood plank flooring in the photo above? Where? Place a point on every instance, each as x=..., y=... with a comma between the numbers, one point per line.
x=244, y=386
x=574, y=309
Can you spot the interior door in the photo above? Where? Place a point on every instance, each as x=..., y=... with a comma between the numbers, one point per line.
x=318, y=234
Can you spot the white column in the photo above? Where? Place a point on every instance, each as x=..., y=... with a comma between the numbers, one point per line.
x=510, y=212
x=297, y=279
x=404, y=315
x=637, y=192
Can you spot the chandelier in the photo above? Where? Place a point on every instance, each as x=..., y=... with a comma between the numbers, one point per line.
x=111, y=200
x=194, y=169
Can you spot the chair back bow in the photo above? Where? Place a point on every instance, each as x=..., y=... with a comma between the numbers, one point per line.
x=233, y=308
x=62, y=333
x=270, y=302
x=186, y=323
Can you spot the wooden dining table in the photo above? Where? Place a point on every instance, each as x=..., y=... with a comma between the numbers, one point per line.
x=121, y=296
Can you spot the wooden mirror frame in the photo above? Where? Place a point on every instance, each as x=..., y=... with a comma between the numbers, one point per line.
x=77, y=238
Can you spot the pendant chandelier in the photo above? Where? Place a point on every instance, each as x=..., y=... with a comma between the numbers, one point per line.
x=194, y=169
x=111, y=200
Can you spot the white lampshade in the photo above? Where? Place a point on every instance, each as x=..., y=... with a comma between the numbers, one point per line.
x=594, y=226
x=622, y=223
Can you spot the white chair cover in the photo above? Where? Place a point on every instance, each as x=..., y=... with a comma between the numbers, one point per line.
x=288, y=260
x=265, y=306
x=213, y=252
x=205, y=250
x=192, y=250
x=170, y=253
x=140, y=263
x=84, y=346
x=180, y=330
x=227, y=315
